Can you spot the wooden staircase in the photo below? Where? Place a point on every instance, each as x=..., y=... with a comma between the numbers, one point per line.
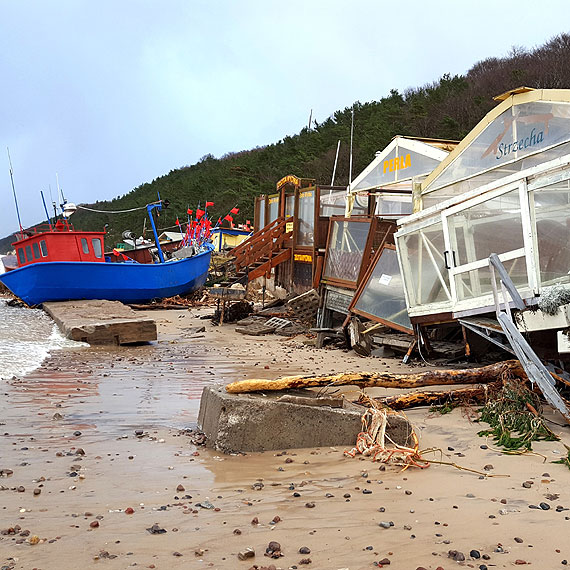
x=263, y=251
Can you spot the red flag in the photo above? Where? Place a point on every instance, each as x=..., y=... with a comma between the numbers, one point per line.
x=189, y=212
x=219, y=221
x=199, y=213
x=228, y=218
x=209, y=204
x=234, y=210
x=115, y=251
x=125, y=258
x=247, y=222
x=177, y=222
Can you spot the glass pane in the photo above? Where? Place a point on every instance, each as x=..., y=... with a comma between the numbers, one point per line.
x=273, y=207
x=399, y=164
x=36, y=249
x=517, y=132
x=43, y=247
x=495, y=226
x=383, y=294
x=393, y=204
x=306, y=217
x=437, y=196
x=333, y=203
x=84, y=245
x=552, y=212
x=261, y=214
x=478, y=282
x=29, y=253
x=360, y=206
x=422, y=256
x=345, y=249
x=97, y=249
x=289, y=206
x=21, y=256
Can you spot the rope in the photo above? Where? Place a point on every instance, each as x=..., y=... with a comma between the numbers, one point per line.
x=112, y=211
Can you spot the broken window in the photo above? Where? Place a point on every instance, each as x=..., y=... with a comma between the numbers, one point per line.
x=423, y=260
x=345, y=248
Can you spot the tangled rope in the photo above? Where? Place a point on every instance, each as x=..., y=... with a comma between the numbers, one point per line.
x=371, y=441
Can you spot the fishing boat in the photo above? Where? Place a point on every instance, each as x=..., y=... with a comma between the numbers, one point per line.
x=58, y=263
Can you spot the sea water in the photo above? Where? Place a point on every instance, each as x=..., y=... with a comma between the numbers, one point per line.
x=27, y=337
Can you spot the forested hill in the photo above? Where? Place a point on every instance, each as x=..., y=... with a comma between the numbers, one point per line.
x=448, y=108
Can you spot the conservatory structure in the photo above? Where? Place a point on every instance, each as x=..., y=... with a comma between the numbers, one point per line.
x=505, y=189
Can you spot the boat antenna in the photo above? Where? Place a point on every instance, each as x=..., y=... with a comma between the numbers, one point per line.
x=45, y=209
x=60, y=191
x=14, y=191
x=54, y=205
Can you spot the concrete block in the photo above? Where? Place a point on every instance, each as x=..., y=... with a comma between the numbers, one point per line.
x=282, y=420
x=101, y=322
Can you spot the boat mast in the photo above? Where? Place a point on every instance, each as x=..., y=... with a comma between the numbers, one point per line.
x=14, y=191
x=46, y=210
x=149, y=209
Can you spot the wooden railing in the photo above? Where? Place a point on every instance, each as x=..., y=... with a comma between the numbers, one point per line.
x=262, y=245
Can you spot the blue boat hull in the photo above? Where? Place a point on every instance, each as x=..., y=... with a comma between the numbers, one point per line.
x=126, y=282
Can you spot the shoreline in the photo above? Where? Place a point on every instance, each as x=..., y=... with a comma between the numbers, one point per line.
x=109, y=394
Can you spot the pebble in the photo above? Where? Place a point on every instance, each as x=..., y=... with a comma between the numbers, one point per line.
x=518, y=539
x=94, y=524
x=456, y=555
x=475, y=554
x=310, y=505
x=37, y=491
x=129, y=511
x=544, y=507
x=246, y=553
x=384, y=524
x=305, y=561
x=180, y=488
x=156, y=529
x=527, y=484
x=304, y=550
x=384, y=562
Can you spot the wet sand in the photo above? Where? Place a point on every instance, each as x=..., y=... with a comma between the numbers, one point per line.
x=88, y=480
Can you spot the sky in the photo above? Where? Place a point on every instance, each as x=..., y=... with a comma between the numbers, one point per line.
x=109, y=94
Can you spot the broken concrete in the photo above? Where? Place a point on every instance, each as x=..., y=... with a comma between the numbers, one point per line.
x=101, y=322
x=283, y=420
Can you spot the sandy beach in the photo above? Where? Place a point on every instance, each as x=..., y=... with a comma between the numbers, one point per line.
x=95, y=452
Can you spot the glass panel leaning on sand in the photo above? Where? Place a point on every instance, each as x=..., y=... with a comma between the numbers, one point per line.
x=383, y=293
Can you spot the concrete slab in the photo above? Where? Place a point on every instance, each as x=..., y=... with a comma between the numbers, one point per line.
x=101, y=322
x=282, y=420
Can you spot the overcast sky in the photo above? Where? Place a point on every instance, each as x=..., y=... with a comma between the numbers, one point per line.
x=113, y=93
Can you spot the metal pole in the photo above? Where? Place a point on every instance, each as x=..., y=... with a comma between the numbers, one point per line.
x=335, y=162
x=14, y=191
x=350, y=162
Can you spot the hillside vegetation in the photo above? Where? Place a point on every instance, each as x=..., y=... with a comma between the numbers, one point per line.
x=448, y=108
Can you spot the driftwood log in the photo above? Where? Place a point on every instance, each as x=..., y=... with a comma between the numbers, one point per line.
x=483, y=375
x=472, y=395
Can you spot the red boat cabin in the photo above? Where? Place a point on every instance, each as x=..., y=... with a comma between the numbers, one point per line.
x=59, y=243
